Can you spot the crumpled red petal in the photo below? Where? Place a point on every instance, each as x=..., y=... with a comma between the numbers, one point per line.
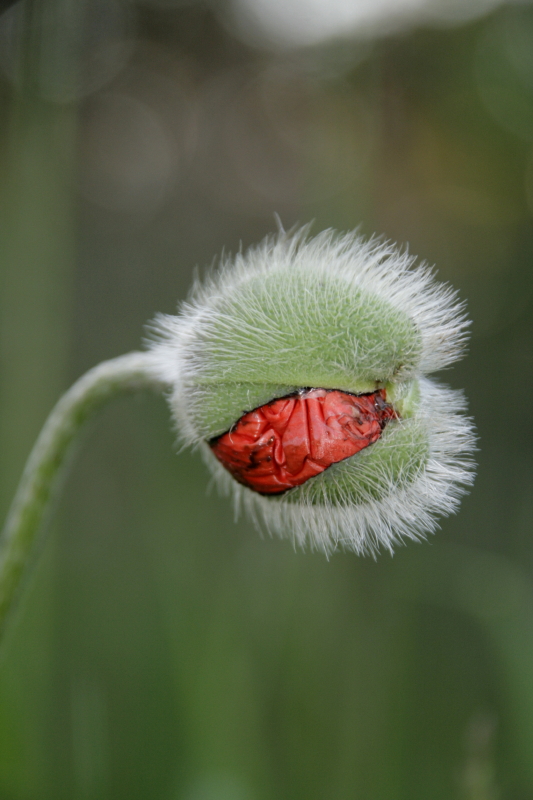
x=284, y=443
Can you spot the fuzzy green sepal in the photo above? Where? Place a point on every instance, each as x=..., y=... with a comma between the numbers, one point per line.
x=255, y=347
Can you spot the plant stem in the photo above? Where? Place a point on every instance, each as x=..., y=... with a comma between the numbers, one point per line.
x=126, y=373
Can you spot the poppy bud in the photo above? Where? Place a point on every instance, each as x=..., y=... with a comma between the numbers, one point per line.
x=299, y=369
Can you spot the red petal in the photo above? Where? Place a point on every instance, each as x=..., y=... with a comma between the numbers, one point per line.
x=284, y=443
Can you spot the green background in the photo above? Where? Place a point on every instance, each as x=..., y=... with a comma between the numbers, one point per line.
x=162, y=650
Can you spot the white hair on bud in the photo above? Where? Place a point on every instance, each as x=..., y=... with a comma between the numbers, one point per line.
x=373, y=266
x=404, y=513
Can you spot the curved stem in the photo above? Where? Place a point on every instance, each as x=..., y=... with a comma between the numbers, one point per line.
x=127, y=373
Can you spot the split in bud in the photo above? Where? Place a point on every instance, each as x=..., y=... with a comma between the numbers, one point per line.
x=284, y=443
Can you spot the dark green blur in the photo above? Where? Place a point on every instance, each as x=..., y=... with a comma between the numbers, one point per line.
x=163, y=651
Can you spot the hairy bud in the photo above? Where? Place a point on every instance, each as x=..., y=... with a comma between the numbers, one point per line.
x=299, y=368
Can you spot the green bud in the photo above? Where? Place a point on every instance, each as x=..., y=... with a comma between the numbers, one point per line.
x=330, y=312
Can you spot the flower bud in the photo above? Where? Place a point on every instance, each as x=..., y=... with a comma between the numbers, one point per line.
x=299, y=369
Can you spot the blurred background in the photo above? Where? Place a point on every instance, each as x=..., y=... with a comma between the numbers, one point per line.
x=162, y=650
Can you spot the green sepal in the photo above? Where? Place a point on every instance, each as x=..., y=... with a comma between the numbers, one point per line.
x=284, y=331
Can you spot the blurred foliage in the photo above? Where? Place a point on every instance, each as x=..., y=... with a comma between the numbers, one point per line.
x=163, y=650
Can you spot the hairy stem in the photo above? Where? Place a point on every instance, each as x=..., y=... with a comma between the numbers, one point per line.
x=127, y=373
